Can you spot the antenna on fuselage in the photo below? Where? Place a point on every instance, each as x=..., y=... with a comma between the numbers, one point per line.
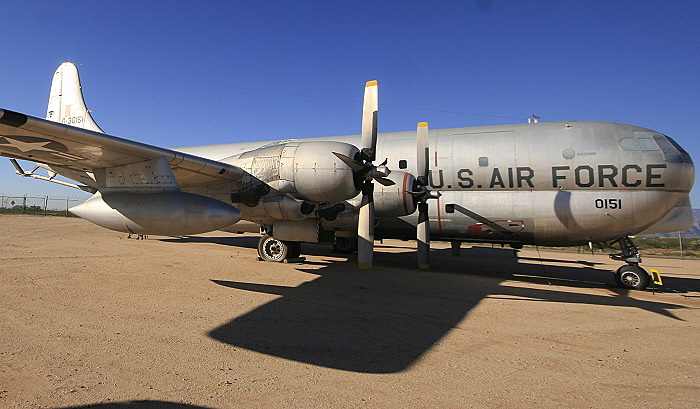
x=534, y=119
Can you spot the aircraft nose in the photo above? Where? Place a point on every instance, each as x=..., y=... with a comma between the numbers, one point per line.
x=679, y=163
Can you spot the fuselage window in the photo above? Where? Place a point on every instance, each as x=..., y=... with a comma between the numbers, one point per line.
x=403, y=164
x=483, y=161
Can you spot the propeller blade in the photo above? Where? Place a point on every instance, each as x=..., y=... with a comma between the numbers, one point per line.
x=423, y=236
x=365, y=227
x=423, y=153
x=352, y=164
x=369, y=119
x=385, y=181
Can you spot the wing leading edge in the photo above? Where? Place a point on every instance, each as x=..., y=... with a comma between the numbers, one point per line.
x=39, y=140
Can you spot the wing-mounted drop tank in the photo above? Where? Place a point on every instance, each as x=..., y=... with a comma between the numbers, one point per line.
x=165, y=214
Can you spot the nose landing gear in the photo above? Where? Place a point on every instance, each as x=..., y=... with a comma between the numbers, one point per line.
x=631, y=275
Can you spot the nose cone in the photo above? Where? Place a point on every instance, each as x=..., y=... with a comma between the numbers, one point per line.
x=680, y=171
x=680, y=163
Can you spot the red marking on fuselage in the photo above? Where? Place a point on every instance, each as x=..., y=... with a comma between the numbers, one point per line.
x=438, y=216
x=405, y=189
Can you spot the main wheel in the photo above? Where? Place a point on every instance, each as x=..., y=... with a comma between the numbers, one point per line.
x=633, y=277
x=344, y=245
x=271, y=249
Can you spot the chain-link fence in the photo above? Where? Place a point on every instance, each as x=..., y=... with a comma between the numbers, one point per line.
x=38, y=205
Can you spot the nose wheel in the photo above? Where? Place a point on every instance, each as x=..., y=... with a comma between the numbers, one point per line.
x=630, y=276
x=271, y=249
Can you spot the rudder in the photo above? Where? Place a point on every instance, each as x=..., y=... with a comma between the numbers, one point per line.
x=66, y=103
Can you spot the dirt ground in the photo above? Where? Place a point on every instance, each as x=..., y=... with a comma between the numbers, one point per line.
x=92, y=319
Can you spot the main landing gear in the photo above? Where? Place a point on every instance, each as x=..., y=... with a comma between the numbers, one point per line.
x=271, y=249
x=631, y=275
x=345, y=245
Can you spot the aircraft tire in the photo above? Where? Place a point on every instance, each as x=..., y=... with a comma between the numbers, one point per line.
x=632, y=277
x=344, y=245
x=271, y=249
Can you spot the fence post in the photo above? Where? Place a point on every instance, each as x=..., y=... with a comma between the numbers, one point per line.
x=680, y=242
x=24, y=204
x=46, y=204
x=67, y=207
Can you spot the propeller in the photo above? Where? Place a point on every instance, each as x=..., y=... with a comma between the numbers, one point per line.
x=421, y=194
x=367, y=172
x=365, y=225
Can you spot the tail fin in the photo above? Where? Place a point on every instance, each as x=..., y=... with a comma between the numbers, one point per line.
x=66, y=103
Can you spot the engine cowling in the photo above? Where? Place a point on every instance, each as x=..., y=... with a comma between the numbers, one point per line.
x=389, y=201
x=395, y=200
x=320, y=176
x=167, y=213
x=304, y=170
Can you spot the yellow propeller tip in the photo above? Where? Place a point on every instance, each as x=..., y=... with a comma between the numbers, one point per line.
x=424, y=266
x=364, y=266
x=422, y=124
x=371, y=83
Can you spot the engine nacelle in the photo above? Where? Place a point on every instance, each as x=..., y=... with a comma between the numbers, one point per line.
x=319, y=176
x=304, y=170
x=166, y=214
x=389, y=201
x=395, y=200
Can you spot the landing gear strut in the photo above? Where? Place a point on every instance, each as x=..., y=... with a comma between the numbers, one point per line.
x=271, y=249
x=630, y=275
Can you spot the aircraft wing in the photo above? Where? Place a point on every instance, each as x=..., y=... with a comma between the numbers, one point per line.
x=39, y=140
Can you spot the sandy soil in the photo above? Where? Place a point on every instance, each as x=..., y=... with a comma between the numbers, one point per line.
x=92, y=319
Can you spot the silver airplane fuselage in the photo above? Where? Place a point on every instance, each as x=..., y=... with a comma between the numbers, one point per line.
x=542, y=183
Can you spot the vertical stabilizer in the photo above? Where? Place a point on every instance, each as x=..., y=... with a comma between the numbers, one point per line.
x=66, y=103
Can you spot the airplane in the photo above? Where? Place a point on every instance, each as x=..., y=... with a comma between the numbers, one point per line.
x=537, y=183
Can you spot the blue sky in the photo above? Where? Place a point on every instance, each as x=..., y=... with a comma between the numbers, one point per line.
x=183, y=73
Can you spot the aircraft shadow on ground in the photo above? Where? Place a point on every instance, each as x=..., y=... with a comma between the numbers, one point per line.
x=138, y=404
x=234, y=241
x=385, y=319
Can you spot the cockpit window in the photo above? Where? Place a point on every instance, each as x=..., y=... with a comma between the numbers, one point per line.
x=675, y=144
x=648, y=145
x=642, y=134
x=655, y=141
x=629, y=144
x=666, y=146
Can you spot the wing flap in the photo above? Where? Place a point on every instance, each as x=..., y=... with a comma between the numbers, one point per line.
x=38, y=140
